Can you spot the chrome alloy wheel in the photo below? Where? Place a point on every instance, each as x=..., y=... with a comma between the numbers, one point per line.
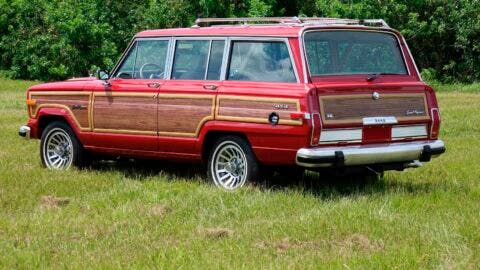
x=58, y=150
x=229, y=166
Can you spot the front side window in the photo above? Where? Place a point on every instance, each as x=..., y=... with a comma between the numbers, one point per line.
x=145, y=60
x=260, y=61
x=353, y=52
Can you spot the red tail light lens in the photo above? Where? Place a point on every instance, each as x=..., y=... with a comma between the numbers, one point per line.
x=435, y=124
x=316, y=127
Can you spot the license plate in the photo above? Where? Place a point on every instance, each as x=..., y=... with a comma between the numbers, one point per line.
x=380, y=120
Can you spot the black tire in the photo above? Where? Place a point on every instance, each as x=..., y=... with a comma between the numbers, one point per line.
x=232, y=163
x=69, y=151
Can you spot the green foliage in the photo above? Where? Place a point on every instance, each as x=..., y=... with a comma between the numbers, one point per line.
x=56, y=39
x=442, y=34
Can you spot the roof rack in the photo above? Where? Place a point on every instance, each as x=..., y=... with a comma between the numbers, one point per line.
x=290, y=21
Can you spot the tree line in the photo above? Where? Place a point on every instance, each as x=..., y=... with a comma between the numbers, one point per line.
x=57, y=39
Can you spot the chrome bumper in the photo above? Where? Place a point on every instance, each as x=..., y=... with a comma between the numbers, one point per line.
x=369, y=154
x=24, y=131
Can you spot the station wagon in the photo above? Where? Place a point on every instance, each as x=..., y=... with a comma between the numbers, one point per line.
x=244, y=95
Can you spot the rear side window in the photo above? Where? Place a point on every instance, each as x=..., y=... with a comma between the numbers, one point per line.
x=145, y=60
x=353, y=52
x=190, y=60
x=197, y=59
x=260, y=61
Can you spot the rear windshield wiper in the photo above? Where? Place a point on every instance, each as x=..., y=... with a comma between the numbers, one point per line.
x=374, y=76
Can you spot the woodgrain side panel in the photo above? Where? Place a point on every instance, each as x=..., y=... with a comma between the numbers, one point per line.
x=257, y=110
x=77, y=104
x=125, y=113
x=352, y=108
x=183, y=115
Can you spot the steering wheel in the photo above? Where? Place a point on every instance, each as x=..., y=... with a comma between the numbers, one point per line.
x=142, y=69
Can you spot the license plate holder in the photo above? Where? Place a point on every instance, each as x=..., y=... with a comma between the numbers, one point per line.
x=379, y=120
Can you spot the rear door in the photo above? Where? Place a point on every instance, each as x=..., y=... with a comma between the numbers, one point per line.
x=260, y=92
x=187, y=100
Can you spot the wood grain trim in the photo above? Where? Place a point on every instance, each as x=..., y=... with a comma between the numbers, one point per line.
x=34, y=114
x=125, y=131
x=160, y=96
x=202, y=121
x=298, y=122
x=128, y=94
x=362, y=96
x=120, y=131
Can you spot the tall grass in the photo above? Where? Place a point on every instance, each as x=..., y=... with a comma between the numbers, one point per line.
x=158, y=215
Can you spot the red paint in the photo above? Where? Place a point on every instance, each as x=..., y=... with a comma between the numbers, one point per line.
x=377, y=134
x=271, y=144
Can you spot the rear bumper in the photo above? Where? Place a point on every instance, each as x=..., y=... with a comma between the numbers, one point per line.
x=24, y=131
x=369, y=154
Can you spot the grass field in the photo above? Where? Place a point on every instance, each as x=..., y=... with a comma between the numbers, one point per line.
x=133, y=215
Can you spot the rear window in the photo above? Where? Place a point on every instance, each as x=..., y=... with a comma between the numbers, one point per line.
x=353, y=52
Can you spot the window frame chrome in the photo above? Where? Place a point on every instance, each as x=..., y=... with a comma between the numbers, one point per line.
x=132, y=43
x=303, y=51
x=228, y=58
x=207, y=38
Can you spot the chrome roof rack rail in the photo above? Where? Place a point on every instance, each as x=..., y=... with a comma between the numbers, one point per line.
x=291, y=21
x=246, y=20
x=337, y=21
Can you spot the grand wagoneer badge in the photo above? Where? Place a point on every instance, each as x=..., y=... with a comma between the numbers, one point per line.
x=280, y=106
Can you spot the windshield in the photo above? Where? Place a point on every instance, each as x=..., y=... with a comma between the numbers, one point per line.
x=353, y=52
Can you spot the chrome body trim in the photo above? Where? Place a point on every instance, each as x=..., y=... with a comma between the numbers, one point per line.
x=369, y=154
x=335, y=135
x=24, y=131
x=409, y=131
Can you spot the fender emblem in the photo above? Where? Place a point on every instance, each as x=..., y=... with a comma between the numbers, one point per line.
x=375, y=95
x=280, y=106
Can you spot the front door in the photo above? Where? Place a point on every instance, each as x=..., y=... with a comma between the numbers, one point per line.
x=125, y=109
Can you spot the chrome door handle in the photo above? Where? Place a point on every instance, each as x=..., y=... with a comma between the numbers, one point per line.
x=154, y=84
x=210, y=87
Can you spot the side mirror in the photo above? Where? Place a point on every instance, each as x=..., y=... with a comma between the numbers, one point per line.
x=103, y=75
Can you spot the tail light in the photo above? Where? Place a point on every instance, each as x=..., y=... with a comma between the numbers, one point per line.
x=435, y=124
x=316, y=127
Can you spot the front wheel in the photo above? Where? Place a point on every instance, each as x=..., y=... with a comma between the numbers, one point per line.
x=232, y=163
x=59, y=147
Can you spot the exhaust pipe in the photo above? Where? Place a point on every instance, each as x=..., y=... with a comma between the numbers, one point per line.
x=413, y=164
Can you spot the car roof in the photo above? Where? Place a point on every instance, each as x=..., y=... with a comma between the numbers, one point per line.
x=271, y=27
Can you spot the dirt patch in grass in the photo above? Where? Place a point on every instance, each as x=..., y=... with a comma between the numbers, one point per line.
x=358, y=242
x=160, y=210
x=52, y=202
x=346, y=246
x=218, y=232
x=286, y=244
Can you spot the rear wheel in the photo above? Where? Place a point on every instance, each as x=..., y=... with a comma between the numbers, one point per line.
x=232, y=163
x=59, y=147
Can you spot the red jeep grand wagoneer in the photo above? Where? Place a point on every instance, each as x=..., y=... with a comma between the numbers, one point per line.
x=266, y=92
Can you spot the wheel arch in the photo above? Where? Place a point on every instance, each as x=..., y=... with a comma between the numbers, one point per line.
x=45, y=118
x=213, y=135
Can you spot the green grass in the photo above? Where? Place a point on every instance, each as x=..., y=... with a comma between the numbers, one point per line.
x=135, y=215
